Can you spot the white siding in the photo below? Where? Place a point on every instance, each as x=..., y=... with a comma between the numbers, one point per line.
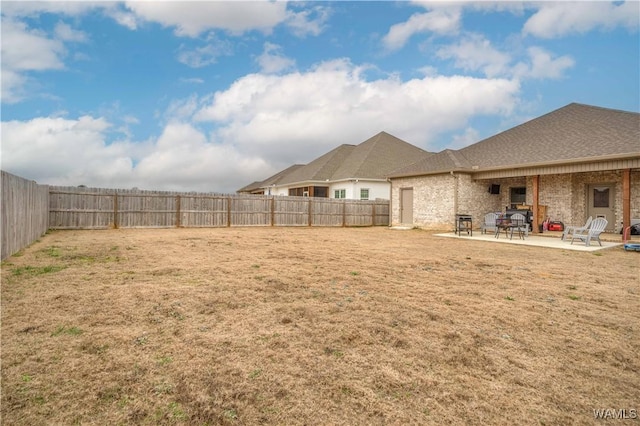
x=377, y=189
x=381, y=190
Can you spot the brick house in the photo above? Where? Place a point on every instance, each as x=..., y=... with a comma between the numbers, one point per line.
x=347, y=171
x=571, y=163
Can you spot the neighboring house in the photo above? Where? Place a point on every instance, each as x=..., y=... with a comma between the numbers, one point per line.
x=572, y=163
x=264, y=187
x=348, y=171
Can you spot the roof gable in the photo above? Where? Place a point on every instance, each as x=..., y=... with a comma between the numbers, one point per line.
x=377, y=156
x=322, y=168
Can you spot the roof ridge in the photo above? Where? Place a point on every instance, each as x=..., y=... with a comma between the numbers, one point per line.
x=330, y=160
x=597, y=107
x=375, y=140
x=458, y=158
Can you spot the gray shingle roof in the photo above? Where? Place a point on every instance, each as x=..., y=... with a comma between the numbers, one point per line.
x=378, y=156
x=322, y=168
x=574, y=133
x=447, y=160
x=372, y=159
x=272, y=180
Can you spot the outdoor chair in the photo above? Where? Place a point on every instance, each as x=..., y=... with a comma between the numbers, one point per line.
x=519, y=224
x=489, y=222
x=573, y=229
x=592, y=232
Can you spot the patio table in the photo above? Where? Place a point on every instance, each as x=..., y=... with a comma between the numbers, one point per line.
x=504, y=223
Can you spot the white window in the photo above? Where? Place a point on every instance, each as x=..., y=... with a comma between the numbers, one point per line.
x=364, y=193
x=340, y=193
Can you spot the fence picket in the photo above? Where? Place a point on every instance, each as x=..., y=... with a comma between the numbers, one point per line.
x=160, y=209
x=25, y=215
x=29, y=209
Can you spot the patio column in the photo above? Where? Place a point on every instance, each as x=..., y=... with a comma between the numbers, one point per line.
x=626, y=199
x=536, y=193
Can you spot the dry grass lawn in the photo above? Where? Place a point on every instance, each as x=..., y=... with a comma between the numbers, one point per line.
x=314, y=326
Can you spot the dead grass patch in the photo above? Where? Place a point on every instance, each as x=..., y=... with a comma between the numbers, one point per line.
x=314, y=326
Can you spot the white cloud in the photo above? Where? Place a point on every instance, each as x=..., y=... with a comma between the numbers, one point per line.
x=193, y=18
x=258, y=126
x=184, y=159
x=65, y=32
x=513, y=7
x=272, y=60
x=124, y=18
x=12, y=86
x=461, y=140
x=205, y=55
x=25, y=50
x=130, y=119
x=440, y=20
x=295, y=117
x=308, y=22
x=60, y=151
x=474, y=53
x=543, y=65
x=182, y=109
x=556, y=19
x=34, y=8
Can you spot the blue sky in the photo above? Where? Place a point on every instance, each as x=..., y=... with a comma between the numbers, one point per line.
x=211, y=96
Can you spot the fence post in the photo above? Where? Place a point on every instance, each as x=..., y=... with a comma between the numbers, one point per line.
x=115, y=210
x=290, y=210
x=178, y=211
x=373, y=214
x=273, y=211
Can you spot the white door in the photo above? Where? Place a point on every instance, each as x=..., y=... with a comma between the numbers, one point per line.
x=406, y=206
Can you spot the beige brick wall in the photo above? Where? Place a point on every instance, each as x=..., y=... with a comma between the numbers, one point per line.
x=474, y=199
x=557, y=193
x=580, y=182
x=436, y=199
x=433, y=201
x=635, y=194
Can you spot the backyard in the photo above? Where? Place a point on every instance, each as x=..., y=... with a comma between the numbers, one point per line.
x=314, y=326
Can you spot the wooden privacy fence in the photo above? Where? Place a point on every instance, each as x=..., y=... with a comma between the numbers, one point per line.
x=25, y=211
x=85, y=208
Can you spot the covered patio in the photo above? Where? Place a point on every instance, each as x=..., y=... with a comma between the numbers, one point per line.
x=548, y=240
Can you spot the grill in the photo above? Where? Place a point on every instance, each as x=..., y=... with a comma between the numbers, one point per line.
x=464, y=222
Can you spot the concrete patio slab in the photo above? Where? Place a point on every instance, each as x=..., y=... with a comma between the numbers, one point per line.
x=533, y=240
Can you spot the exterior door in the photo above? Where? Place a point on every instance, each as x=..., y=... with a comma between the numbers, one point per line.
x=406, y=206
x=600, y=203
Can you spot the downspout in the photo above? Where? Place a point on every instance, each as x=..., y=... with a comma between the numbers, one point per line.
x=455, y=197
x=390, y=202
